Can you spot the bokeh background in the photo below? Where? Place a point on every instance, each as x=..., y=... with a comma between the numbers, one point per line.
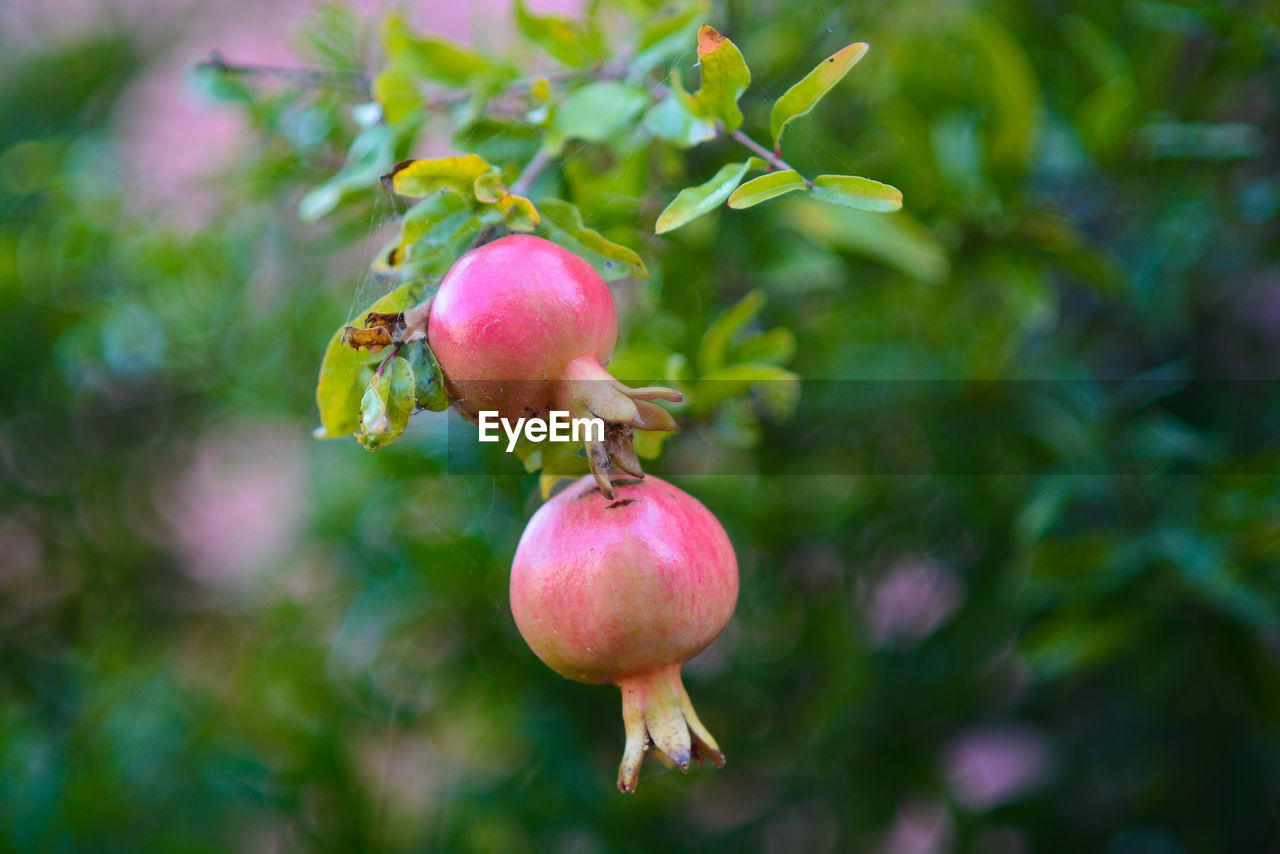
x=219, y=634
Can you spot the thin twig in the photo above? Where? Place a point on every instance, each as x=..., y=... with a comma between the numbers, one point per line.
x=775, y=162
x=395, y=351
x=536, y=167
x=310, y=76
x=773, y=158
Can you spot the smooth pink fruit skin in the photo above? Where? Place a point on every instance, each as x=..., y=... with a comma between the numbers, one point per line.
x=518, y=309
x=602, y=591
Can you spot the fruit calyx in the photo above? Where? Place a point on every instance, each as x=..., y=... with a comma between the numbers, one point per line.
x=590, y=391
x=660, y=722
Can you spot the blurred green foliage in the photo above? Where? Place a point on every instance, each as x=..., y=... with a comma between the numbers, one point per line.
x=219, y=634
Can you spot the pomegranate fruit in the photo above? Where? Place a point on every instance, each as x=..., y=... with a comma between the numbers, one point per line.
x=522, y=327
x=624, y=593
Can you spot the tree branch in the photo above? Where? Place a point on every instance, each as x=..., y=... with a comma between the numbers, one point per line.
x=358, y=80
x=535, y=167
x=775, y=162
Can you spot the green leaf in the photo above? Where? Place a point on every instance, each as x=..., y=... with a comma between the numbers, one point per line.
x=802, y=97
x=433, y=255
x=862, y=194
x=564, y=225
x=693, y=202
x=569, y=42
x=428, y=380
x=896, y=240
x=679, y=117
x=386, y=405
x=498, y=141
x=1012, y=93
x=374, y=419
x=564, y=467
x=725, y=77
x=338, y=391
x=778, y=388
x=430, y=214
x=369, y=154
x=421, y=178
x=596, y=112
x=329, y=35
x=766, y=187
x=548, y=455
x=664, y=35
x=396, y=91
x=211, y=82
x=648, y=443
x=430, y=58
x=430, y=227
x=775, y=346
x=713, y=349
x=434, y=233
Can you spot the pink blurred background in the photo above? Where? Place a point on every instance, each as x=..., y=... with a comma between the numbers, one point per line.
x=172, y=142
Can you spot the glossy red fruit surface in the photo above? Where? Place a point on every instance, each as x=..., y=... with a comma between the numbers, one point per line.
x=522, y=327
x=623, y=593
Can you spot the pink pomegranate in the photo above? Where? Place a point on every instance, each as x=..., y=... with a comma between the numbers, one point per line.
x=623, y=593
x=522, y=327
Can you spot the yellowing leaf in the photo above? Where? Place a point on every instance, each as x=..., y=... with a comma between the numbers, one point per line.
x=725, y=77
x=420, y=178
x=693, y=202
x=862, y=194
x=802, y=97
x=766, y=187
x=338, y=391
x=489, y=187
x=518, y=212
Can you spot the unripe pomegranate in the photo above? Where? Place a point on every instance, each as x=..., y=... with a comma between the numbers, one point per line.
x=522, y=327
x=623, y=593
